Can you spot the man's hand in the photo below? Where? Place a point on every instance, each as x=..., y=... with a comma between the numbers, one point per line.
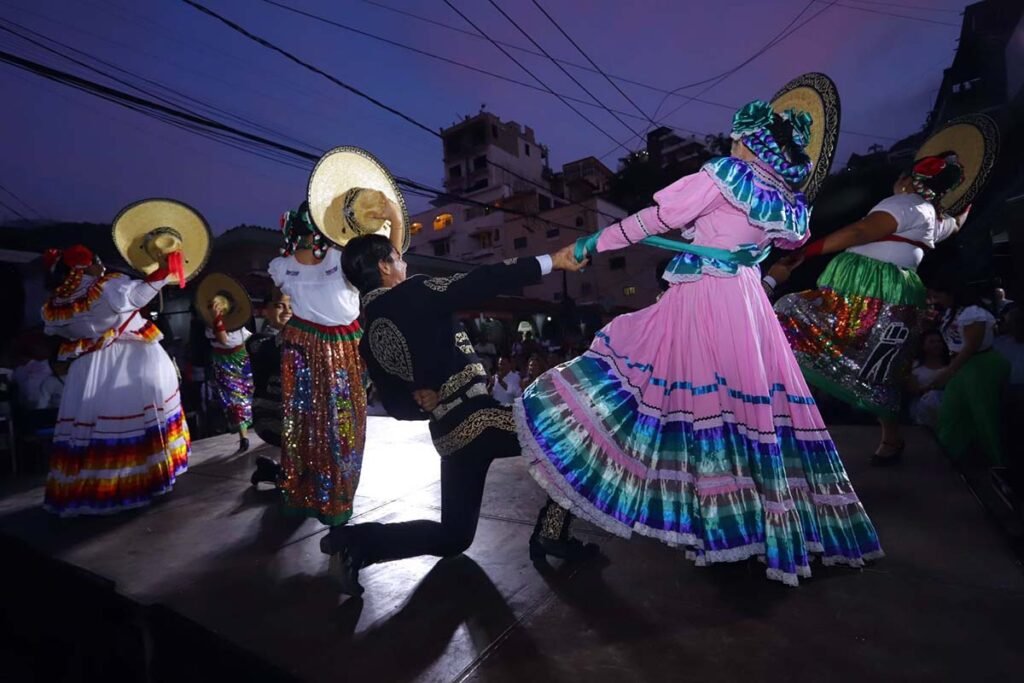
x=782, y=269
x=564, y=259
x=427, y=399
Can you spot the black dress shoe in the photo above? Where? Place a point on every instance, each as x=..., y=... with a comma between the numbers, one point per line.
x=266, y=471
x=570, y=550
x=344, y=568
x=894, y=456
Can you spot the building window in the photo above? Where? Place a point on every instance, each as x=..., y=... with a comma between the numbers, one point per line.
x=443, y=221
x=455, y=171
x=497, y=236
x=519, y=243
x=527, y=147
x=617, y=263
x=479, y=163
x=552, y=233
x=415, y=228
x=558, y=296
x=442, y=247
x=486, y=239
x=579, y=221
x=544, y=202
x=629, y=291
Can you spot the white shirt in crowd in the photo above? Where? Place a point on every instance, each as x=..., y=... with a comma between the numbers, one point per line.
x=924, y=409
x=953, y=332
x=916, y=219
x=320, y=293
x=29, y=378
x=50, y=393
x=235, y=339
x=507, y=394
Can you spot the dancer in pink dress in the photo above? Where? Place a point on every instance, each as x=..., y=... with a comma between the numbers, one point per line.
x=689, y=421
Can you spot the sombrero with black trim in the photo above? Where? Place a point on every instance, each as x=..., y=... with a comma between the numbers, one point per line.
x=816, y=94
x=239, y=303
x=334, y=195
x=148, y=229
x=974, y=139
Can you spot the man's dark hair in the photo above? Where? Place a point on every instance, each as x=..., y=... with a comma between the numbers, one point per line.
x=359, y=261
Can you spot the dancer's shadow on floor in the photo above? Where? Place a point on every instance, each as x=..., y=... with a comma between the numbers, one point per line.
x=457, y=593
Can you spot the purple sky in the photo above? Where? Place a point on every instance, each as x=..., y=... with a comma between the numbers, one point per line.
x=71, y=156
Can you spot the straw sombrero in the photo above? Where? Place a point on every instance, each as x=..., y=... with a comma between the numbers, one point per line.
x=975, y=141
x=334, y=197
x=816, y=94
x=146, y=229
x=239, y=304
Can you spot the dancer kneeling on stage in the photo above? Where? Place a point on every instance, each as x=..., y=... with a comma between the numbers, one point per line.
x=414, y=342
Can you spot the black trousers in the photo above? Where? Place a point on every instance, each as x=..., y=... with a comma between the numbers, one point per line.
x=464, y=468
x=462, y=489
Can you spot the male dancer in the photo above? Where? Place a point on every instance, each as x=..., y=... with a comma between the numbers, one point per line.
x=414, y=342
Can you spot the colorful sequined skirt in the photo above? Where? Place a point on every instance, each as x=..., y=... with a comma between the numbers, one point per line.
x=121, y=437
x=233, y=385
x=323, y=427
x=854, y=336
x=689, y=421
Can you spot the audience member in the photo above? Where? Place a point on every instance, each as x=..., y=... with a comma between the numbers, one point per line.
x=933, y=357
x=506, y=383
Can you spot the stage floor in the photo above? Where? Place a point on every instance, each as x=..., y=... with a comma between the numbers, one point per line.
x=946, y=604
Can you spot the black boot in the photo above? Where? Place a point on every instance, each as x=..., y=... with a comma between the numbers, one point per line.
x=344, y=569
x=243, y=445
x=551, y=536
x=346, y=560
x=266, y=471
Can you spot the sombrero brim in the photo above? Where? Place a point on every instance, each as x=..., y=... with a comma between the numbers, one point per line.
x=816, y=94
x=338, y=171
x=975, y=141
x=136, y=221
x=219, y=283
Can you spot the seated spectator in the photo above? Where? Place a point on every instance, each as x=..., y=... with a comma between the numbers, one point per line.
x=506, y=384
x=29, y=377
x=933, y=357
x=52, y=388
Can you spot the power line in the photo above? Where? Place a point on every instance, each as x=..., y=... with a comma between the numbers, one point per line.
x=893, y=14
x=13, y=210
x=919, y=8
x=535, y=77
x=592, y=62
x=122, y=81
x=270, y=46
x=441, y=58
x=511, y=46
x=21, y=201
x=560, y=67
x=712, y=82
x=275, y=48
x=446, y=60
x=190, y=121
